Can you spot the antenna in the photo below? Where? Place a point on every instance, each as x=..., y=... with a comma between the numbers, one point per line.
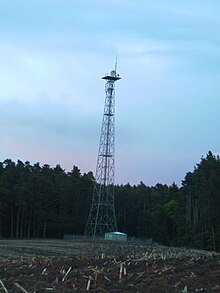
x=116, y=63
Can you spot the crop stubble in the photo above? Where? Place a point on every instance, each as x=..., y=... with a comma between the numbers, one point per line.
x=103, y=266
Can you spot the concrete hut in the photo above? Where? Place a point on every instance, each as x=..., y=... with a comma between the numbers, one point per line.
x=116, y=236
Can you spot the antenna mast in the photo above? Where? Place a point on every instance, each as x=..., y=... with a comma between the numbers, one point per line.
x=116, y=63
x=101, y=217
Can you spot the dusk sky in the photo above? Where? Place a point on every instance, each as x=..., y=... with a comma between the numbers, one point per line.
x=53, y=54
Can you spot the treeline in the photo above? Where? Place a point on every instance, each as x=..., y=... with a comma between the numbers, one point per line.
x=40, y=201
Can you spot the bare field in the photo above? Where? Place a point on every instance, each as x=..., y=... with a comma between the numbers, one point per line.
x=101, y=266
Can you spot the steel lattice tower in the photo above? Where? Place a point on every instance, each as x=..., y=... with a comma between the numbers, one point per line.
x=101, y=217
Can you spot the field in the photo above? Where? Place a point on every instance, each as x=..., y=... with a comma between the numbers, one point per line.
x=89, y=266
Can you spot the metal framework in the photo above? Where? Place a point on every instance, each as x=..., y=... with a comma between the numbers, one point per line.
x=101, y=217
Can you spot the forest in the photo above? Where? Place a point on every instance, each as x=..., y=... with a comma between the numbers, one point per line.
x=44, y=202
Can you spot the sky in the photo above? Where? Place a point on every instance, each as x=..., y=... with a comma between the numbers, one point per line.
x=53, y=54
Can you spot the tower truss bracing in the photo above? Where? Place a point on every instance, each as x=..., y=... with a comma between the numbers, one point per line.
x=101, y=217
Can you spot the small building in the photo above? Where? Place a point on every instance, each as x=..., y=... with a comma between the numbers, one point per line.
x=116, y=236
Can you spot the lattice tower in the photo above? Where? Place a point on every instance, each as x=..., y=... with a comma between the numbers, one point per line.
x=101, y=217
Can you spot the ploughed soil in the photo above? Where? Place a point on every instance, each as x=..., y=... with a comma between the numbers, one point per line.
x=103, y=266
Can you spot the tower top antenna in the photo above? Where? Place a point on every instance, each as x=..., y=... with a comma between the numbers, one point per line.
x=116, y=63
x=113, y=76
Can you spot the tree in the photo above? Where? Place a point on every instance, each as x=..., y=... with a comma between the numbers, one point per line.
x=202, y=198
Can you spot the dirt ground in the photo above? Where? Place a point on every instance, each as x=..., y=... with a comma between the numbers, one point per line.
x=88, y=266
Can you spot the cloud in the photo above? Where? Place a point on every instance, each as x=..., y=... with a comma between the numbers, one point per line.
x=47, y=132
x=53, y=54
